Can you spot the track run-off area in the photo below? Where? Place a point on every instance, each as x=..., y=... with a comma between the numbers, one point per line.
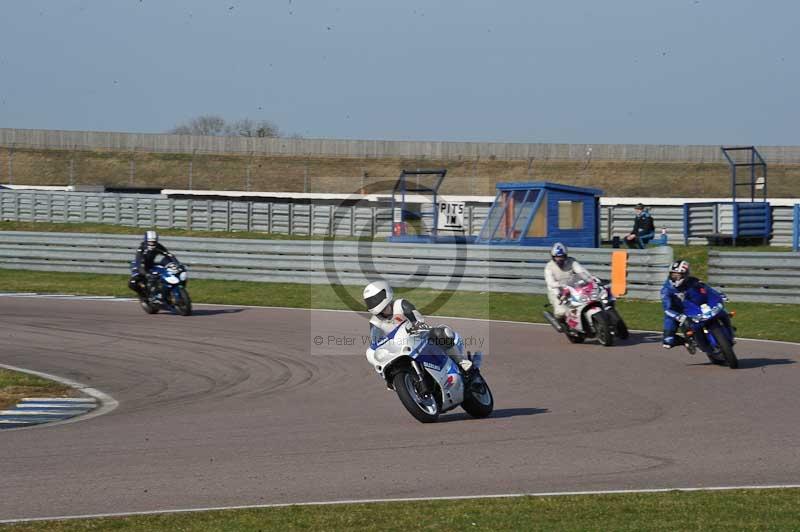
x=238, y=406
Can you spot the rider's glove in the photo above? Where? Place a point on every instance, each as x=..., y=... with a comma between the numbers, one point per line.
x=681, y=319
x=418, y=326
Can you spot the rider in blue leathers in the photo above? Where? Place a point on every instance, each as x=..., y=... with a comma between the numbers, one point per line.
x=679, y=287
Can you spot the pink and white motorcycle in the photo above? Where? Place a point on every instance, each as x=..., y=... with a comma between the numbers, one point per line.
x=592, y=313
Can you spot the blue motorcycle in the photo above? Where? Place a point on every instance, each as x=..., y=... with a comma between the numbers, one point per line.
x=166, y=289
x=708, y=327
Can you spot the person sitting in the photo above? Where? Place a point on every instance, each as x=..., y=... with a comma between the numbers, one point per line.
x=644, y=228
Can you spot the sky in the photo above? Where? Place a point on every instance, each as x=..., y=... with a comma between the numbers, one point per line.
x=570, y=71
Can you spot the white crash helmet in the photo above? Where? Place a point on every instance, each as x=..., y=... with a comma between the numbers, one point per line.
x=151, y=238
x=377, y=295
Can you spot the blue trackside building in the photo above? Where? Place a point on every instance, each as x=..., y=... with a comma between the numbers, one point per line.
x=542, y=213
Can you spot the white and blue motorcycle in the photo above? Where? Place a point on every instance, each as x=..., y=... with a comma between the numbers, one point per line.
x=166, y=289
x=427, y=381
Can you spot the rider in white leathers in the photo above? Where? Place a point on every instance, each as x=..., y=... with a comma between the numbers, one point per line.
x=388, y=314
x=558, y=273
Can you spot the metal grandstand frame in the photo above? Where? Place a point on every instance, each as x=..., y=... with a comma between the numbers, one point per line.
x=753, y=161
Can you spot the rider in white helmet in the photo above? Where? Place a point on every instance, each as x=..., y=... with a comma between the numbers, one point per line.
x=146, y=254
x=558, y=273
x=388, y=314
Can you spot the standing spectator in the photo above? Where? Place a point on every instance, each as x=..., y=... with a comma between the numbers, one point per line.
x=644, y=228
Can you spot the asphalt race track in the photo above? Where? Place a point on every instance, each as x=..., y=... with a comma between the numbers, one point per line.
x=240, y=406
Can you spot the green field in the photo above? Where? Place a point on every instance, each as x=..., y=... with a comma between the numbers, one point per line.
x=739, y=510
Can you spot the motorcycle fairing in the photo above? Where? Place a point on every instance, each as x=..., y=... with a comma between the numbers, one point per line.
x=444, y=371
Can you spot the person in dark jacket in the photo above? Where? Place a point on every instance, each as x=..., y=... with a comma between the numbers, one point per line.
x=677, y=289
x=148, y=250
x=644, y=228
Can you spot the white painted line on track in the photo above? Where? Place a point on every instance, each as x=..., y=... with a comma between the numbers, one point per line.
x=35, y=295
x=396, y=500
x=107, y=403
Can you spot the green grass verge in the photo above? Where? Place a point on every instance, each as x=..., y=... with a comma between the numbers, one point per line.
x=754, y=320
x=686, y=511
x=14, y=386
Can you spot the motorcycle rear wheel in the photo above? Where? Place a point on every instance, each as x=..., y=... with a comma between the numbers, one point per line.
x=575, y=337
x=478, y=398
x=147, y=306
x=724, y=345
x=603, y=329
x=425, y=408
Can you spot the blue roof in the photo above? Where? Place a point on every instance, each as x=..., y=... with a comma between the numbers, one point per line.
x=551, y=186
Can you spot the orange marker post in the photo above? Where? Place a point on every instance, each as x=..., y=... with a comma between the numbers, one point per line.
x=619, y=273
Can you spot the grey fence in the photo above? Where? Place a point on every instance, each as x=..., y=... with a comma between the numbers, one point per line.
x=70, y=140
x=617, y=220
x=441, y=267
x=310, y=219
x=139, y=210
x=756, y=277
x=707, y=220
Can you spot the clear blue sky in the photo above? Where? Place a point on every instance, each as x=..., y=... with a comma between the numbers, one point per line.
x=581, y=71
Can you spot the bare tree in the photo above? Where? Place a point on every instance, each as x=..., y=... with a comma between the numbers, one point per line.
x=253, y=128
x=210, y=125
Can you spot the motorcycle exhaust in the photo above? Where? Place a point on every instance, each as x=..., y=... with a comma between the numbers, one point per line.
x=553, y=321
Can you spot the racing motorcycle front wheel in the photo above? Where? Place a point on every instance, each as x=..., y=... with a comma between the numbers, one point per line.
x=724, y=345
x=603, y=328
x=622, y=328
x=478, y=399
x=418, y=399
x=182, y=301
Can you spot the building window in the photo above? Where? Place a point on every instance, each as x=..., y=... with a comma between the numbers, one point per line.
x=570, y=214
x=538, y=228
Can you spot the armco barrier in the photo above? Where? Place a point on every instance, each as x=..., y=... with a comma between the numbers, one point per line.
x=440, y=266
x=756, y=277
x=796, y=228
